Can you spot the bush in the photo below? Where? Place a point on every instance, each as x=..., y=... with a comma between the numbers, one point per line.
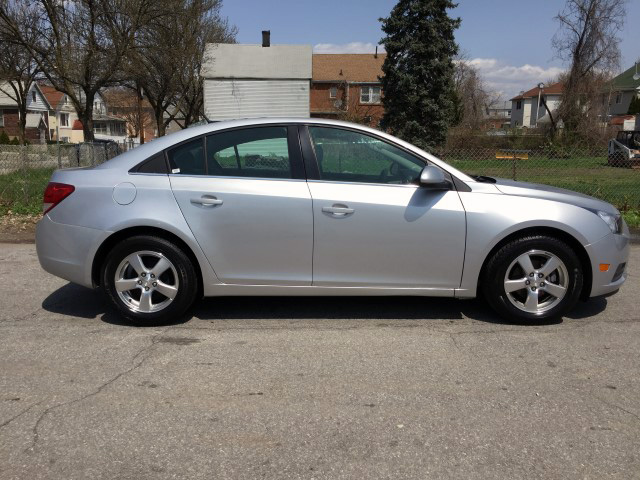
x=4, y=138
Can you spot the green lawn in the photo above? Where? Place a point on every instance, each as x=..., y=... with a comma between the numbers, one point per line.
x=21, y=191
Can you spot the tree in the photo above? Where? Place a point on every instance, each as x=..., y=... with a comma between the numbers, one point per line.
x=168, y=56
x=471, y=99
x=588, y=40
x=18, y=69
x=418, y=71
x=80, y=46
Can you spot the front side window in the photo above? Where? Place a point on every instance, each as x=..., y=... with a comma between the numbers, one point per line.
x=519, y=105
x=333, y=92
x=64, y=119
x=370, y=94
x=260, y=152
x=618, y=98
x=348, y=156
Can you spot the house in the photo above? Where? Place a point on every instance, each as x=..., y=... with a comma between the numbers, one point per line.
x=65, y=125
x=620, y=92
x=256, y=80
x=36, y=128
x=527, y=109
x=123, y=103
x=498, y=116
x=347, y=86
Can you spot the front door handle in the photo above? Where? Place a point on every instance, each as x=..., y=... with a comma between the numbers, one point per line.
x=338, y=210
x=207, y=201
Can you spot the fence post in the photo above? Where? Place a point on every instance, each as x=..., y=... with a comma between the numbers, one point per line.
x=514, y=166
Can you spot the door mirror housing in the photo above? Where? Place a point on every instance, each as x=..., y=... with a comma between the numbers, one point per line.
x=432, y=177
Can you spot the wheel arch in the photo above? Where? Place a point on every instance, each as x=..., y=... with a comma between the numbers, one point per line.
x=569, y=239
x=116, y=237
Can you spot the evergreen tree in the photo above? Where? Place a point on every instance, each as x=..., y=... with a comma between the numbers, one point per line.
x=418, y=86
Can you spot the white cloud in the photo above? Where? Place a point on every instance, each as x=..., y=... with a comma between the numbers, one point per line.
x=353, y=47
x=509, y=80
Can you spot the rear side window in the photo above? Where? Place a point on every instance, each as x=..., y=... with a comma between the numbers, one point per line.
x=188, y=158
x=155, y=164
x=260, y=152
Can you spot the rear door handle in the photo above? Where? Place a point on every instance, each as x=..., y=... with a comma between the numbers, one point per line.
x=207, y=201
x=338, y=210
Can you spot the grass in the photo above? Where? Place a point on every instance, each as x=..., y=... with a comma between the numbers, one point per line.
x=21, y=191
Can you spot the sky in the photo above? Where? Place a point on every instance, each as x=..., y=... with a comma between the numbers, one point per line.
x=509, y=41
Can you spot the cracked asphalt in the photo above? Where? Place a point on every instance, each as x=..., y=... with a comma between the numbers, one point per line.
x=312, y=388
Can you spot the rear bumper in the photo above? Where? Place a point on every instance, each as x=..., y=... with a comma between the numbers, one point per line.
x=67, y=251
x=612, y=250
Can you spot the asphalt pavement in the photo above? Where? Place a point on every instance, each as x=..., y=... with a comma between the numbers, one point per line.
x=324, y=388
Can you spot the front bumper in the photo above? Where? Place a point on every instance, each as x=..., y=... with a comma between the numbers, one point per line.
x=67, y=251
x=612, y=250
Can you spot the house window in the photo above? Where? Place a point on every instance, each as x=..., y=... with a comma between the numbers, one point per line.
x=519, y=105
x=333, y=92
x=64, y=119
x=100, y=128
x=541, y=101
x=369, y=94
x=117, y=128
x=618, y=98
x=508, y=113
x=33, y=96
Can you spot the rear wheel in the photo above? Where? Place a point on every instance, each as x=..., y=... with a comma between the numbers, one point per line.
x=533, y=279
x=149, y=280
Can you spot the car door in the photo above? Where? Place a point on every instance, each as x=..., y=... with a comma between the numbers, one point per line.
x=244, y=196
x=373, y=225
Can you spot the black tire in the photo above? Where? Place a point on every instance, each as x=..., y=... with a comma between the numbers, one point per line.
x=185, y=274
x=495, y=274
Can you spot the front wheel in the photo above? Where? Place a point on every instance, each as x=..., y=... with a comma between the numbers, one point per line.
x=533, y=279
x=149, y=280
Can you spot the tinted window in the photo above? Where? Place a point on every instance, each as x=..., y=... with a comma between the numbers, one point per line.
x=260, y=152
x=188, y=158
x=155, y=164
x=349, y=156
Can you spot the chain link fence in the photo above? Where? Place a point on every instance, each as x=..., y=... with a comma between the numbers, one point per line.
x=25, y=170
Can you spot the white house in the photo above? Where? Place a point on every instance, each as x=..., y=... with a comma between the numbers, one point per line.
x=37, y=120
x=619, y=94
x=527, y=109
x=242, y=81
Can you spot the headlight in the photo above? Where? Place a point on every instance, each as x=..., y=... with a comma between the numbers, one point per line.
x=613, y=221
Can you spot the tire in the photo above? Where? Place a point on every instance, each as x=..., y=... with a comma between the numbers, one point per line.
x=545, y=288
x=156, y=270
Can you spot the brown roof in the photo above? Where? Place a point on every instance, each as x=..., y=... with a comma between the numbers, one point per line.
x=122, y=98
x=52, y=95
x=553, y=89
x=352, y=67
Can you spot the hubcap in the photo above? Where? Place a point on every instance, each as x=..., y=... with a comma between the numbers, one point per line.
x=146, y=281
x=536, y=281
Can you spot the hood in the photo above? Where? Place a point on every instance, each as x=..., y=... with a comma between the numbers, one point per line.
x=546, y=192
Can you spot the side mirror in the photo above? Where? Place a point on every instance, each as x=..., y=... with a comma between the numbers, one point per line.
x=432, y=177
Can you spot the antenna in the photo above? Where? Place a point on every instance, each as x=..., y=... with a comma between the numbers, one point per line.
x=637, y=75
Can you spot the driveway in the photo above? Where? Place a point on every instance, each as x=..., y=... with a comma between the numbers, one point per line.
x=313, y=388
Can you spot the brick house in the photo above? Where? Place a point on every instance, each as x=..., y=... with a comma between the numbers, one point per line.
x=347, y=87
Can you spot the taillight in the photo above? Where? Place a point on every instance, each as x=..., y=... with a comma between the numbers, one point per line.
x=54, y=194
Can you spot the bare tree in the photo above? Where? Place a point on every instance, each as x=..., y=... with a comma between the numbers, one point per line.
x=473, y=98
x=169, y=54
x=18, y=69
x=588, y=40
x=80, y=46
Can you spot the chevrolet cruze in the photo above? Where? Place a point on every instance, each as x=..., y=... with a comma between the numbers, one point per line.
x=320, y=207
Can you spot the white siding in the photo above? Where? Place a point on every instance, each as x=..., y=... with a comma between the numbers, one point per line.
x=230, y=99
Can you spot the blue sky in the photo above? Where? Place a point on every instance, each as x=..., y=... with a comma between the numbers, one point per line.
x=508, y=40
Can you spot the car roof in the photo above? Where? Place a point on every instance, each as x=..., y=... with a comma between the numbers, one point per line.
x=136, y=155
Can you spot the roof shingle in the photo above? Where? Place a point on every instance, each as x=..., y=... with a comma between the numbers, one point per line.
x=350, y=67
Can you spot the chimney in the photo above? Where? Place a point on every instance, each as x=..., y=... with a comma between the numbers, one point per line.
x=266, y=38
x=376, y=55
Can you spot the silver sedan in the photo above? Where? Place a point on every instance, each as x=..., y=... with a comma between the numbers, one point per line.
x=320, y=207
